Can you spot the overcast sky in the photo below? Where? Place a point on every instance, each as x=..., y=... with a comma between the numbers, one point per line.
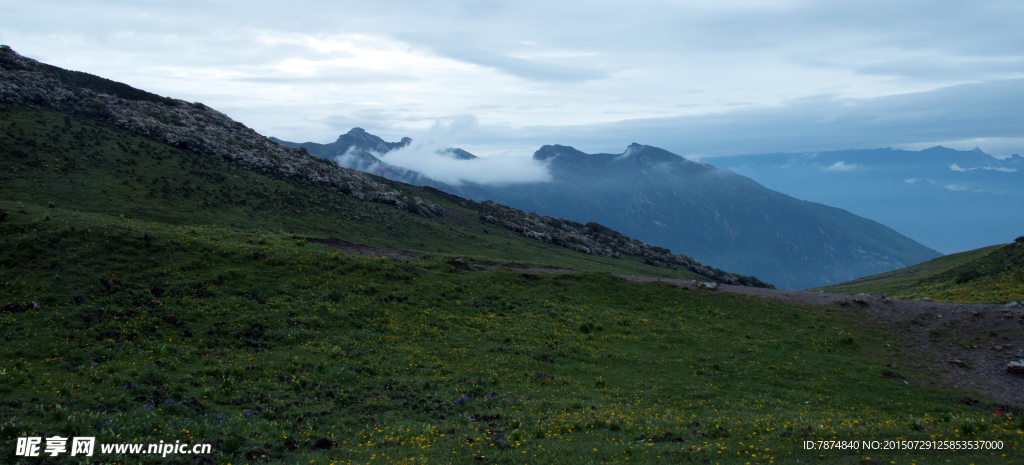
x=694, y=77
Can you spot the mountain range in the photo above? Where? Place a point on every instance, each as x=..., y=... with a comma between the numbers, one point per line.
x=124, y=150
x=949, y=200
x=692, y=208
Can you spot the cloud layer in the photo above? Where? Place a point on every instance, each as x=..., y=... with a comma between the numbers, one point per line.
x=695, y=77
x=430, y=157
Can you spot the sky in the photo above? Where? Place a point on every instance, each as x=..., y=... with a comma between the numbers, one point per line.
x=697, y=78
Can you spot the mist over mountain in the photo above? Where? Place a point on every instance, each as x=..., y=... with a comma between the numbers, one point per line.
x=427, y=163
x=950, y=200
x=692, y=208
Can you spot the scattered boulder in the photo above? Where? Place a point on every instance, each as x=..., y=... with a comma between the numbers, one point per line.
x=959, y=363
x=1014, y=304
x=926, y=299
x=324, y=443
x=1015, y=367
x=709, y=286
x=15, y=307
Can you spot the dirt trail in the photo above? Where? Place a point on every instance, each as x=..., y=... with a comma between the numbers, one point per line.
x=935, y=335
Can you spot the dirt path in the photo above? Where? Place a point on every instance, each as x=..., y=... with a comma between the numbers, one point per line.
x=361, y=249
x=961, y=345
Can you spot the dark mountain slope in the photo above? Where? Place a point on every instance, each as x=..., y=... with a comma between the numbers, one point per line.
x=695, y=209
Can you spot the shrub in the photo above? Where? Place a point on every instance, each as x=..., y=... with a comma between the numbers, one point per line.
x=966, y=276
x=231, y=445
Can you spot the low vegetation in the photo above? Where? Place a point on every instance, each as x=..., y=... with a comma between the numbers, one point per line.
x=274, y=348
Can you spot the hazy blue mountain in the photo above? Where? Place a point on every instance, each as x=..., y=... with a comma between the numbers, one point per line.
x=711, y=214
x=949, y=200
x=714, y=215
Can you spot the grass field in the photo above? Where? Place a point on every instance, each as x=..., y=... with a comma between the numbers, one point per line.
x=279, y=350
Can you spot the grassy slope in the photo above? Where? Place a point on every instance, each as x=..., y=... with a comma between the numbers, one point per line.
x=938, y=279
x=262, y=345
x=92, y=166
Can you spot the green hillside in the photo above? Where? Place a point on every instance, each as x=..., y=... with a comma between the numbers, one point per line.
x=993, y=274
x=275, y=349
x=87, y=164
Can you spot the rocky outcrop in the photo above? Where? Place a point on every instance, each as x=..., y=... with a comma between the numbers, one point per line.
x=190, y=126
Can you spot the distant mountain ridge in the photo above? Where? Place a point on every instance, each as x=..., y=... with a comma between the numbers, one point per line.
x=701, y=211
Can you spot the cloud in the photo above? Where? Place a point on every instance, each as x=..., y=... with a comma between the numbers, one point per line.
x=521, y=67
x=727, y=77
x=956, y=167
x=842, y=166
x=983, y=110
x=912, y=180
x=430, y=157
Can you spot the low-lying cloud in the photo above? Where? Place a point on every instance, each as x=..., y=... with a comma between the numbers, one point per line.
x=432, y=157
x=956, y=167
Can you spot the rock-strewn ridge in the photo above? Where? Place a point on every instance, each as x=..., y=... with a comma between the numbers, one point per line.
x=191, y=126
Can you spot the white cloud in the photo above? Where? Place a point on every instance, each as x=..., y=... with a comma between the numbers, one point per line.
x=429, y=157
x=540, y=71
x=956, y=167
x=842, y=166
x=912, y=180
